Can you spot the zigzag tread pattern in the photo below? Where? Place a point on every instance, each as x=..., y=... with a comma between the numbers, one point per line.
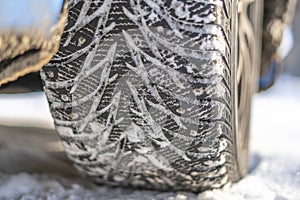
x=140, y=92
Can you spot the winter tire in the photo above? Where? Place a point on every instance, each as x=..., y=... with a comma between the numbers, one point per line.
x=156, y=94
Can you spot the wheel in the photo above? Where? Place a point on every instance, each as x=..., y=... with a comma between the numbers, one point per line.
x=145, y=93
x=247, y=75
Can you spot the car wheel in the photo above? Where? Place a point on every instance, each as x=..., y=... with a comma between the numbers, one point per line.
x=156, y=94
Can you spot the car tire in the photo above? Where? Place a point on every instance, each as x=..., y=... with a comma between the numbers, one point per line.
x=156, y=94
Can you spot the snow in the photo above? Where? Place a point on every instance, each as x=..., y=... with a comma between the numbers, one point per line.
x=25, y=110
x=274, y=171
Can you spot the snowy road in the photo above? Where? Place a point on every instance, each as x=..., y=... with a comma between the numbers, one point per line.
x=31, y=174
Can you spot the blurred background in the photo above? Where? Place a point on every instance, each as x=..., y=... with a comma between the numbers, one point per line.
x=274, y=170
x=292, y=62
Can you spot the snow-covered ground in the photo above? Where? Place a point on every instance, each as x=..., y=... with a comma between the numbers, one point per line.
x=274, y=171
